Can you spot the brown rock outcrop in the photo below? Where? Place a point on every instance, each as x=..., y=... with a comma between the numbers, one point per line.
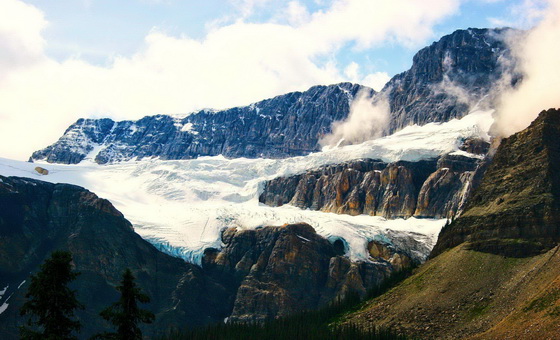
x=276, y=271
x=430, y=188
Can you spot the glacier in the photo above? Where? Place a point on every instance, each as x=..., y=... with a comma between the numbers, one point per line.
x=181, y=206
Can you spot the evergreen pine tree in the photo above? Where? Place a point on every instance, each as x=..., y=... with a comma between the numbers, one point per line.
x=125, y=313
x=51, y=304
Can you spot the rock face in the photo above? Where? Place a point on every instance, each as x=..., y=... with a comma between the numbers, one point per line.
x=445, y=80
x=495, y=270
x=433, y=188
x=37, y=218
x=448, y=77
x=269, y=272
x=516, y=209
x=281, y=270
x=286, y=125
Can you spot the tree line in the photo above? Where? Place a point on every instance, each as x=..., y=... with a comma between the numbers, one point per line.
x=326, y=323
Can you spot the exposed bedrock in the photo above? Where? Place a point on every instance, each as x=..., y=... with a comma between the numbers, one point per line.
x=515, y=211
x=276, y=271
x=434, y=188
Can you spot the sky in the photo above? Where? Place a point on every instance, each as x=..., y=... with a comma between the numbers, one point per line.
x=66, y=59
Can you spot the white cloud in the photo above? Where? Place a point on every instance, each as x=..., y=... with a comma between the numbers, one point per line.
x=297, y=13
x=522, y=14
x=374, y=80
x=368, y=119
x=233, y=65
x=538, y=53
x=247, y=7
x=21, y=42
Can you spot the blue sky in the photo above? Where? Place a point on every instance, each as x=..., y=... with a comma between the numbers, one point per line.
x=66, y=59
x=99, y=30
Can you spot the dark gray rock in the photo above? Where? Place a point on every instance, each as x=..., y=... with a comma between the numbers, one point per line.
x=283, y=126
x=446, y=79
x=449, y=77
x=278, y=271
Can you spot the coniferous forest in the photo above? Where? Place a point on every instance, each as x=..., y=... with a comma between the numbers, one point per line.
x=324, y=324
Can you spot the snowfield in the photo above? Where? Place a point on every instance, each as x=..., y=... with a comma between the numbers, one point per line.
x=181, y=206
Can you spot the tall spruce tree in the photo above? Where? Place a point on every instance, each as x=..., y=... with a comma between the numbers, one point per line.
x=125, y=314
x=51, y=304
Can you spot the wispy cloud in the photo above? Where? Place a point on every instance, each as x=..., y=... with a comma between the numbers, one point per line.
x=234, y=64
x=538, y=54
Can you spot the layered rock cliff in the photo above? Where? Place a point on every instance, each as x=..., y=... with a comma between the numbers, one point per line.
x=446, y=80
x=516, y=208
x=430, y=188
x=495, y=271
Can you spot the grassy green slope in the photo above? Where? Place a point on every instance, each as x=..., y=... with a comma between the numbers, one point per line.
x=464, y=293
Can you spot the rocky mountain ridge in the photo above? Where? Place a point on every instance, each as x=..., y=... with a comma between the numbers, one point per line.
x=445, y=81
x=451, y=76
x=286, y=125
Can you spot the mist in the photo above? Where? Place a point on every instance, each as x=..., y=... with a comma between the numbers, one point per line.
x=538, y=58
x=368, y=119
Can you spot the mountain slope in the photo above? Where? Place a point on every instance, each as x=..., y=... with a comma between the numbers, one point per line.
x=464, y=293
x=516, y=210
x=446, y=81
x=37, y=218
x=286, y=125
x=495, y=270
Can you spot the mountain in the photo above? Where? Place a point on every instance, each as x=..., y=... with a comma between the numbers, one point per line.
x=447, y=80
x=285, y=125
x=494, y=272
x=37, y=218
x=450, y=77
x=277, y=271
x=252, y=276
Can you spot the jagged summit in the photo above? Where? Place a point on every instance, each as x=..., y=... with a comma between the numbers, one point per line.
x=449, y=77
x=282, y=126
x=446, y=79
x=516, y=209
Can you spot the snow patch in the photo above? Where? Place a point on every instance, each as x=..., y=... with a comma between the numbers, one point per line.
x=188, y=127
x=3, y=291
x=5, y=305
x=303, y=238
